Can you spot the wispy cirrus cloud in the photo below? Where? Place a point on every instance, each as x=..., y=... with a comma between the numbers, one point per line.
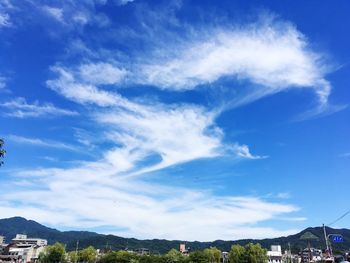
x=40, y=142
x=140, y=209
x=244, y=152
x=270, y=56
x=141, y=130
x=145, y=134
x=71, y=15
x=5, y=8
x=20, y=108
x=74, y=88
x=5, y=20
x=3, y=81
x=347, y=154
x=55, y=12
x=149, y=128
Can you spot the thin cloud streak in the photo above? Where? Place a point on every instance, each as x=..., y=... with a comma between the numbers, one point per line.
x=20, y=108
x=41, y=143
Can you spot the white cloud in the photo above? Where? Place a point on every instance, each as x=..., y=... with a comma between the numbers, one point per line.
x=2, y=82
x=55, y=12
x=147, y=136
x=81, y=92
x=19, y=108
x=176, y=133
x=144, y=210
x=81, y=18
x=124, y=2
x=243, y=152
x=270, y=54
x=5, y=20
x=101, y=73
x=40, y=142
x=295, y=219
x=283, y=195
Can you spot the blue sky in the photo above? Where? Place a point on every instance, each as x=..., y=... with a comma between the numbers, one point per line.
x=195, y=120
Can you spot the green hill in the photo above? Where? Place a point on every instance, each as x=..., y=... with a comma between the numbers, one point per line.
x=17, y=225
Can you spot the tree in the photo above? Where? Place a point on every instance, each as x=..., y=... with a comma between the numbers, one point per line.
x=110, y=257
x=150, y=259
x=174, y=256
x=199, y=257
x=236, y=254
x=250, y=253
x=73, y=256
x=2, y=151
x=124, y=256
x=213, y=254
x=119, y=257
x=53, y=254
x=254, y=253
x=87, y=255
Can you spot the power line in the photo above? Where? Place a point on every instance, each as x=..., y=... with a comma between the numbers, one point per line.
x=339, y=218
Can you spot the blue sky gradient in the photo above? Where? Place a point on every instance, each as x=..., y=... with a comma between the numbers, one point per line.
x=195, y=120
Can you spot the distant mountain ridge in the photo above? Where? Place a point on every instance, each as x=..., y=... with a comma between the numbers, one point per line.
x=9, y=227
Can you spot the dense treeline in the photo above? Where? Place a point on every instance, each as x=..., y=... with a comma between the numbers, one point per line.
x=12, y=226
x=250, y=253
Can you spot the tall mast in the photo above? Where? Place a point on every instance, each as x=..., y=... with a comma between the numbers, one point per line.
x=76, y=251
x=326, y=239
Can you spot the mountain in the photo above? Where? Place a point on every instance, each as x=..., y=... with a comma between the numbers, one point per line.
x=9, y=227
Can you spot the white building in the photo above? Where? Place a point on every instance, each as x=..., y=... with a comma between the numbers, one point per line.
x=23, y=249
x=275, y=254
x=23, y=239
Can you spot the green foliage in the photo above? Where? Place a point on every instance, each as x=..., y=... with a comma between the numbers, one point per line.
x=2, y=151
x=73, y=256
x=53, y=254
x=110, y=257
x=255, y=253
x=119, y=257
x=199, y=257
x=236, y=254
x=213, y=254
x=250, y=253
x=127, y=257
x=151, y=259
x=174, y=256
x=87, y=255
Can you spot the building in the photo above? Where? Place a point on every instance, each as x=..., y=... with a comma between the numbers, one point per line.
x=2, y=244
x=23, y=239
x=224, y=258
x=312, y=255
x=275, y=254
x=142, y=251
x=183, y=249
x=23, y=249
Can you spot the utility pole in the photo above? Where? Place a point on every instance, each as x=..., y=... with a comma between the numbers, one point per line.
x=326, y=238
x=76, y=251
x=290, y=253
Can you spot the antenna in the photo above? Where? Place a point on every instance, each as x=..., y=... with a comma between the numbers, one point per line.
x=76, y=251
